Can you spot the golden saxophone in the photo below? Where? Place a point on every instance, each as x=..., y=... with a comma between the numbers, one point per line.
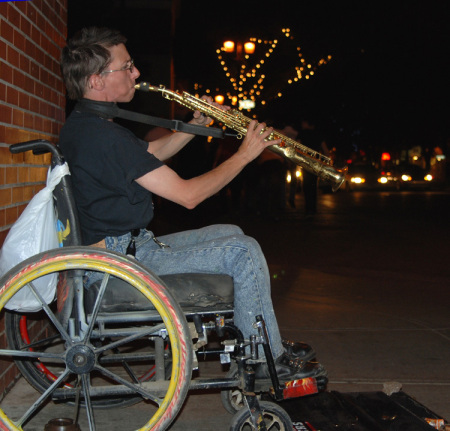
x=308, y=159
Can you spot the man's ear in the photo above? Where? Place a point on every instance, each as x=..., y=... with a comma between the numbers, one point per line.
x=95, y=82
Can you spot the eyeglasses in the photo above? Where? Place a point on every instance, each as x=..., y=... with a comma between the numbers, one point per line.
x=129, y=66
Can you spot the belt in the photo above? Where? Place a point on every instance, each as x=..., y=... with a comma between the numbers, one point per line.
x=100, y=244
x=131, y=249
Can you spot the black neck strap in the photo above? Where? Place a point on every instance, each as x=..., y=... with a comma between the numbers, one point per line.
x=110, y=110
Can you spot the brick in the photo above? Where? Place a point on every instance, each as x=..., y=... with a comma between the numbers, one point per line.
x=18, y=118
x=2, y=219
x=6, y=72
x=20, y=209
x=3, y=236
x=14, y=17
x=28, y=193
x=23, y=175
x=28, y=120
x=19, y=79
x=12, y=56
x=19, y=41
x=14, y=135
x=17, y=159
x=2, y=49
x=5, y=113
x=24, y=64
x=5, y=156
x=11, y=215
x=38, y=175
x=5, y=366
x=31, y=12
x=17, y=194
x=25, y=25
x=24, y=101
x=12, y=96
x=28, y=85
x=11, y=175
x=6, y=30
x=5, y=197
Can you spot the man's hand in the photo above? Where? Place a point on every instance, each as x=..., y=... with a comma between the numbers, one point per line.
x=203, y=120
x=255, y=141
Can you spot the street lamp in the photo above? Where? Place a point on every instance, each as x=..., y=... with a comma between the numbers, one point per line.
x=231, y=46
x=242, y=51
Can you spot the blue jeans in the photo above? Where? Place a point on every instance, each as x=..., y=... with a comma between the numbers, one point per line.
x=217, y=249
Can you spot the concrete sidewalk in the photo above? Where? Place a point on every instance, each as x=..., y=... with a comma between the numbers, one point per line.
x=370, y=323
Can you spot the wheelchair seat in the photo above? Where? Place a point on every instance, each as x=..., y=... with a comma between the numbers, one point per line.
x=195, y=293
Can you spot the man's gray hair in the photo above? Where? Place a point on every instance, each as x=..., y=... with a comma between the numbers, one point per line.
x=87, y=54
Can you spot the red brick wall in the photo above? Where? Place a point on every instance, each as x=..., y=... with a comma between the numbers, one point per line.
x=32, y=106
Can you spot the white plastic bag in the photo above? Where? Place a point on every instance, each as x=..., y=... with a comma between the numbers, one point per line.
x=33, y=232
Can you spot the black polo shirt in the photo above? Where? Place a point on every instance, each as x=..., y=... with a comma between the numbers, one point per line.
x=104, y=160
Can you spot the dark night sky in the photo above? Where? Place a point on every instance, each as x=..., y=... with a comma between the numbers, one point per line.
x=386, y=85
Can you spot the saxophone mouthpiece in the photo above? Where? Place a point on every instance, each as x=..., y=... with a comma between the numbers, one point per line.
x=143, y=86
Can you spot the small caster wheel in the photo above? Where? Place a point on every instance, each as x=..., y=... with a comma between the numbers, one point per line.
x=275, y=418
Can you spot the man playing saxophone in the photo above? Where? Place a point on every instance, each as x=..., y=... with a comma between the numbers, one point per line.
x=115, y=174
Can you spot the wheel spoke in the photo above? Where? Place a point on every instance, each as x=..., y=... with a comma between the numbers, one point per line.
x=50, y=314
x=87, y=398
x=137, y=389
x=45, y=342
x=43, y=397
x=139, y=334
x=28, y=354
x=98, y=301
x=271, y=423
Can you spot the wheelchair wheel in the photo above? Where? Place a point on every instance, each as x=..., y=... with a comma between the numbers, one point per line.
x=100, y=358
x=275, y=418
x=19, y=329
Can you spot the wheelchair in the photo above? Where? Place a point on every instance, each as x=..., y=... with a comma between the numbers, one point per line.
x=130, y=337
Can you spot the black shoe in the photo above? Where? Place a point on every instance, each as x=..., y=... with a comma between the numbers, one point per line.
x=299, y=350
x=289, y=369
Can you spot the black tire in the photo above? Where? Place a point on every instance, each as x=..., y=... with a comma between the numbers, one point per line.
x=232, y=399
x=103, y=345
x=275, y=418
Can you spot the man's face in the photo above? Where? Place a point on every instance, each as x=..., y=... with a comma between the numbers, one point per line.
x=119, y=85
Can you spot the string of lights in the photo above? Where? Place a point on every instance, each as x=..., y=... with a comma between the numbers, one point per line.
x=244, y=66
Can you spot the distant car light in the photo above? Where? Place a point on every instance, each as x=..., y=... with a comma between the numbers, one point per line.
x=428, y=177
x=382, y=180
x=358, y=180
x=406, y=177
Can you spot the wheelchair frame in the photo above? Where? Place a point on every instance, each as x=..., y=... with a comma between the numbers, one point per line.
x=87, y=335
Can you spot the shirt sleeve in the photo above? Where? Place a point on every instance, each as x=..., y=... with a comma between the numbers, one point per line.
x=134, y=161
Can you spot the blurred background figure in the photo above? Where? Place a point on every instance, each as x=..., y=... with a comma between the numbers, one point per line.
x=232, y=195
x=313, y=139
x=291, y=132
